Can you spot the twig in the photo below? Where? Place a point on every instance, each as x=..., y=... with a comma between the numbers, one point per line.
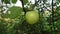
x=23, y=6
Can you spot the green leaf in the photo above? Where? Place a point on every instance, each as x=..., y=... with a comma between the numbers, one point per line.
x=30, y=8
x=58, y=0
x=47, y=28
x=44, y=1
x=2, y=0
x=14, y=1
x=6, y=1
x=14, y=12
x=25, y=1
x=57, y=23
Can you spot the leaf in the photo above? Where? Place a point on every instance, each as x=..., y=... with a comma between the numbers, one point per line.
x=6, y=1
x=58, y=0
x=2, y=0
x=31, y=8
x=44, y=1
x=58, y=22
x=25, y=1
x=14, y=1
x=14, y=12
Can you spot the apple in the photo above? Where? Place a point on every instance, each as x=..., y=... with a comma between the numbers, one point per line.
x=32, y=17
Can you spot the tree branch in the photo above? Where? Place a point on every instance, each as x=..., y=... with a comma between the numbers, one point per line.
x=23, y=6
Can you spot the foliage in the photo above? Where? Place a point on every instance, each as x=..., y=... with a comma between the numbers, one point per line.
x=25, y=1
x=13, y=12
x=14, y=22
x=6, y=1
x=14, y=1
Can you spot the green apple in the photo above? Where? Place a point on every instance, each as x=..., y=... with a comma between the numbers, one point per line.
x=32, y=17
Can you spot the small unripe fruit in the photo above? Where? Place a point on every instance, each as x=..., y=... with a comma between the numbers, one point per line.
x=32, y=17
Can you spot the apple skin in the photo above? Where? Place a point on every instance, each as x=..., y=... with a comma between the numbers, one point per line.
x=32, y=17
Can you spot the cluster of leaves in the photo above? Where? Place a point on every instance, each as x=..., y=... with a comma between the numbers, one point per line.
x=8, y=1
x=47, y=23
x=18, y=24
